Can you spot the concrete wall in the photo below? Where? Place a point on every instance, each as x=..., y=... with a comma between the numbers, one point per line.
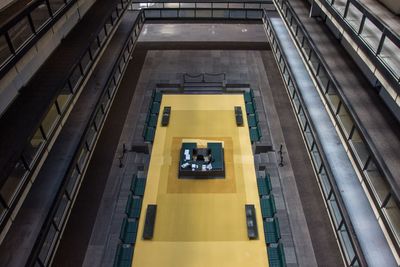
x=26, y=67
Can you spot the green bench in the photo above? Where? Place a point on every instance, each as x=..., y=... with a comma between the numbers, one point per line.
x=157, y=97
x=149, y=134
x=155, y=108
x=276, y=255
x=133, y=183
x=271, y=230
x=247, y=96
x=252, y=120
x=268, y=208
x=152, y=121
x=133, y=207
x=217, y=155
x=255, y=135
x=123, y=257
x=264, y=185
x=250, y=109
x=139, y=187
x=128, y=231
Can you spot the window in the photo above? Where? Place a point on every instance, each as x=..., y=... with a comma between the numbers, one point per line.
x=20, y=33
x=393, y=216
x=61, y=211
x=13, y=182
x=34, y=147
x=82, y=158
x=64, y=97
x=48, y=244
x=75, y=77
x=72, y=182
x=50, y=120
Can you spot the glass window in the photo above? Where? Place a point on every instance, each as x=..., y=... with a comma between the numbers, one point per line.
x=48, y=244
x=5, y=51
x=82, y=158
x=85, y=61
x=50, y=120
x=99, y=118
x=64, y=97
x=346, y=242
x=359, y=147
x=378, y=184
x=333, y=97
x=61, y=211
x=105, y=101
x=13, y=183
x=337, y=216
x=326, y=185
x=309, y=137
x=20, y=33
x=75, y=77
x=91, y=136
x=34, y=147
x=40, y=15
x=316, y=158
x=345, y=121
x=56, y=5
x=94, y=48
x=102, y=36
x=354, y=17
x=2, y=210
x=392, y=213
x=72, y=182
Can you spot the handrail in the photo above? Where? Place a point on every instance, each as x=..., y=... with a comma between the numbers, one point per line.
x=325, y=164
x=373, y=154
x=61, y=83
x=392, y=76
x=82, y=144
x=16, y=53
x=364, y=133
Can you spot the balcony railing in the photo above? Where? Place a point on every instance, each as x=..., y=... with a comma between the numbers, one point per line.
x=377, y=40
x=365, y=156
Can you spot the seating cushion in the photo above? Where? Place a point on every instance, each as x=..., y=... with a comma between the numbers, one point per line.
x=268, y=208
x=128, y=231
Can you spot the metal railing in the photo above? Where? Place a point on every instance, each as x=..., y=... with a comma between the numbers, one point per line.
x=377, y=40
x=56, y=219
x=21, y=32
x=379, y=180
x=340, y=220
x=215, y=11
x=28, y=161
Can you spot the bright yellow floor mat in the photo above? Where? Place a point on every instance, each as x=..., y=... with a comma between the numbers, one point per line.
x=201, y=223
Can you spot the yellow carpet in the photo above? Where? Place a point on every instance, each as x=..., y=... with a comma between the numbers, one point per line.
x=201, y=223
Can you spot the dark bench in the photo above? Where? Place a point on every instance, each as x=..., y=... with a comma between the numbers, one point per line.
x=123, y=257
x=276, y=255
x=133, y=207
x=251, y=222
x=149, y=222
x=128, y=231
x=239, y=116
x=271, y=230
x=268, y=208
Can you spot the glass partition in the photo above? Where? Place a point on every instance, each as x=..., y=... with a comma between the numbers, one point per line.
x=13, y=182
